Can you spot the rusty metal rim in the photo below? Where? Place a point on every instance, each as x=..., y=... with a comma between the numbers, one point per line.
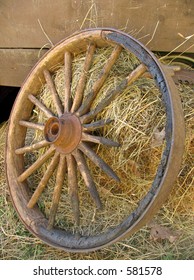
x=166, y=173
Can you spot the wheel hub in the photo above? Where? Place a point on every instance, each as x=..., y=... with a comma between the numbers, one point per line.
x=63, y=132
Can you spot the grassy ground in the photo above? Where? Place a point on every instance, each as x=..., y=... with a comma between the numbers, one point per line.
x=176, y=214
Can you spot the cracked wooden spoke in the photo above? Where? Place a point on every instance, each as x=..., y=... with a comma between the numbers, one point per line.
x=73, y=187
x=99, y=140
x=32, y=125
x=40, y=161
x=82, y=81
x=95, y=125
x=54, y=93
x=85, y=172
x=43, y=182
x=84, y=108
x=68, y=77
x=61, y=170
x=40, y=105
x=31, y=148
x=112, y=94
x=98, y=161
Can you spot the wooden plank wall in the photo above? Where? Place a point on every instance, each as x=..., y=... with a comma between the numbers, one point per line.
x=155, y=23
x=15, y=64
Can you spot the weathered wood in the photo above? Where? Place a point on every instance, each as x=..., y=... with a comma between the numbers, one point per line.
x=57, y=191
x=82, y=81
x=15, y=64
x=32, y=147
x=85, y=172
x=28, y=124
x=54, y=93
x=44, y=180
x=98, y=161
x=99, y=82
x=112, y=94
x=67, y=82
x=99, y=140
x=40, y=105
x=157, y=24
x=73, y=187
x=39, y=162
x=95, y=125
x=168, y=168
x=25, y=32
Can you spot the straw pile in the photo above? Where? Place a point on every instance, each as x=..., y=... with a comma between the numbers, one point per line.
x=138, y=125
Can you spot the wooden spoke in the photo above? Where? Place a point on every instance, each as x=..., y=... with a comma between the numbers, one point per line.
x=136, y=73
x=31, y=148
x=95, y=125
x=57, y=190
x=84, y=108
x=82, y=81
x=85, y=172
x=73, y=187
x=32, y=125
x=98, y=161
x=54, y=93
x=40, y=105
x=68, y=77
x=44, y=181
x=112, y=94
x=104, y=103
x=99, y=140
x=40, y=161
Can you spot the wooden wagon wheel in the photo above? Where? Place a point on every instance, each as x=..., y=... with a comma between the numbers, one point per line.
x=69, y=132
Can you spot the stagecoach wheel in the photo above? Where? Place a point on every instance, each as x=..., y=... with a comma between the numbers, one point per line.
x=69, y=140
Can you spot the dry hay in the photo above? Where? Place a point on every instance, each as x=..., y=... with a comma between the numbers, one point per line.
x=138, y=124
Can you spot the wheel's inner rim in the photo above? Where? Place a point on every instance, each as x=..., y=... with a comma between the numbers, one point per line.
x=55, y=236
